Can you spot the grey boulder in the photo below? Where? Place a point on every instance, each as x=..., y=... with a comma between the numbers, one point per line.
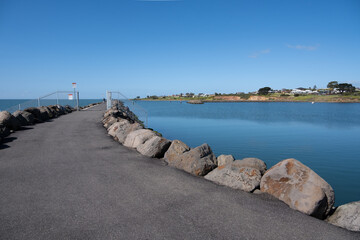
x=252, y=163
x=155, y=147
x=44, y=115
x=224, y=159
x=36, y=113
x=9, y=120
x=110, y=121
x=29, y=117
x=236, y=176
x=18, y=115
x=197, y=161
x=138, y=137
x=347, y=216
x=124, y=130
x=116, y=126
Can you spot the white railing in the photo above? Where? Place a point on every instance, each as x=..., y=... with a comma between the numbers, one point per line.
x=139, y=111
x=55, y=98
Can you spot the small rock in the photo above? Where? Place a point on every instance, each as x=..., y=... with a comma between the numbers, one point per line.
x=347, y=216
x=235, y=176
x=253, y=163
x=138, y=137
x=224, y=159
x=155, y=147
x=300, y=187
x=257, y=191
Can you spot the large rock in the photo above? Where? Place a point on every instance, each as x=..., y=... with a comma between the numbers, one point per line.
x=29, y=117
x=224, y=159
x=115, y=127
x=155, y=147
x=298, y=186
x=198, y=161
x=124, y=130
x=110, y=121
x=44, y=113
x=36, y=113
x=347, y=216
x=252, y=163
x=9, y=120
x=49, y=111
x=236, y=176
x=18, y=115
x=5, y=118
x=138, y=137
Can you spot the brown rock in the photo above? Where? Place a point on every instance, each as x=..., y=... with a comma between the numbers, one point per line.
x=298, y=186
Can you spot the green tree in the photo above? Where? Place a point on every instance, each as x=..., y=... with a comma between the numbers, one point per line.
x=264, y=91
x=333, y=84
x=346, y=88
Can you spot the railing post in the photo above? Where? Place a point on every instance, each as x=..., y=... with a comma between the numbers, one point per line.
x=38, y=102
x=77, y=101
x=19, y=107
x=108, y=100
x=57, y=98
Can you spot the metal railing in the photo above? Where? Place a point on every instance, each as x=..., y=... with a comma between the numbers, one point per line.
x=139, y=111
x=55, y=98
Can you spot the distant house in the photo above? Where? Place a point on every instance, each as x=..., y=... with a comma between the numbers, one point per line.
x=303, y=91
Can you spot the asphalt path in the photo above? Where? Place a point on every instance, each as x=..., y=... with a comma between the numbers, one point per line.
x=67, y=179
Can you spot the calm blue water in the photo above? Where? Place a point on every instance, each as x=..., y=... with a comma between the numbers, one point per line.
x=323, y=136
x=11, y=105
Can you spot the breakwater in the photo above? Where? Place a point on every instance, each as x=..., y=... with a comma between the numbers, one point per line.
x=10, y=122
x=289, y=180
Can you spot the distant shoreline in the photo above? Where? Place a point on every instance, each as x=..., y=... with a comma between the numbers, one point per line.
x=251, y=101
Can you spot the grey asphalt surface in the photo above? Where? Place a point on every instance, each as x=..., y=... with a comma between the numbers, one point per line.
x=66, y=179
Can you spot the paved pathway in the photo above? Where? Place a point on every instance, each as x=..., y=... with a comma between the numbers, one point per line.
x=66, y=179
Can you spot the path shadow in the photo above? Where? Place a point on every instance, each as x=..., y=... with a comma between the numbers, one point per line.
x=3, y=144
x=8, y=139
x=25, y=128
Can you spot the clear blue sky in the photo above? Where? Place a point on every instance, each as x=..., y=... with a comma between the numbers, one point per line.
x=164, y=47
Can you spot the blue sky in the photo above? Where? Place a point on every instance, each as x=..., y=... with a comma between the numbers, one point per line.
x=164, y=47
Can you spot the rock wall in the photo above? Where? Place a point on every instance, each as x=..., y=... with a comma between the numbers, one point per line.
x=290, y=181
x=14, y=122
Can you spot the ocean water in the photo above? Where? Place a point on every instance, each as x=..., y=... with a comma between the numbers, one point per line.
x=12, y=105
x=323, y=136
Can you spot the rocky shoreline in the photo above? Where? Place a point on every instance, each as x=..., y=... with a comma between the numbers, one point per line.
x=30, y=116
x=289, y=181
